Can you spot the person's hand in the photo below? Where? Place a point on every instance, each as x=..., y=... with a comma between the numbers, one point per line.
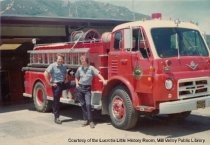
x=70, y=72
x=53, y=84
x=77, y=85
x=105, y=82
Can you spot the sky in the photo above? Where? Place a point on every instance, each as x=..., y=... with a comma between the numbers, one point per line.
x=197, y=11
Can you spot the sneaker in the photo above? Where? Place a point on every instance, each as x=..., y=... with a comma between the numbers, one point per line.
x=85, y=123
x=57, y=121
x=92, y=125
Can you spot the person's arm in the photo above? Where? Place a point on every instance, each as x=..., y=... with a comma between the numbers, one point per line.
x=47, y=77
x=102, y=79
x=77, y=82
x=97, y=73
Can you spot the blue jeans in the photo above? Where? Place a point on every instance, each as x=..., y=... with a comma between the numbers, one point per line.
x=57, y=92
x=83, y=94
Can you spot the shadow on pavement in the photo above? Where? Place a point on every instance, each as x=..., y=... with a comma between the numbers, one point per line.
x=164, y=126
x=17, y=107
x=75, y=112
x=153, y=126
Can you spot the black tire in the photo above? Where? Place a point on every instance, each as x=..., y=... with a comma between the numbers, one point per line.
x=121, y=111
x=40, y=98
x=179, y=116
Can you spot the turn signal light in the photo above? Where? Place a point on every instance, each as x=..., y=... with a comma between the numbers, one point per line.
x=152, y=69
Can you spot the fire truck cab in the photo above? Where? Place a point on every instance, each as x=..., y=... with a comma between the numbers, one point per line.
x=153, y=67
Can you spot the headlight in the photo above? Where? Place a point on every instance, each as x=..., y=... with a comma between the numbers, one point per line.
x=168, y=84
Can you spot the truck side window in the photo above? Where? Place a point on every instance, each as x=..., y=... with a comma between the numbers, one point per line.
x=117, y=40
x=140, y=44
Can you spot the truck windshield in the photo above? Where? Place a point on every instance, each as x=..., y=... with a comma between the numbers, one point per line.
x=172, y=42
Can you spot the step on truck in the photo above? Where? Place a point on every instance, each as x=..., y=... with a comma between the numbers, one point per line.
x=152, y=66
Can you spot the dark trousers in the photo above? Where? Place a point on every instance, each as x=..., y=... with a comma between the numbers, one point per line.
x=83, y=94
x=57, y=92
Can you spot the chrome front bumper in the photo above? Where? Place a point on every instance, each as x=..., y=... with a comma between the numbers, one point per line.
x=184, y=105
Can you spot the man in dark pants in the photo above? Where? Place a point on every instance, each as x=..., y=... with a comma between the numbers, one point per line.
x=83, y=79
x=56, y=76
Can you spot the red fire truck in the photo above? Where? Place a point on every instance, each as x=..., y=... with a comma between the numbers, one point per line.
x=152, y=66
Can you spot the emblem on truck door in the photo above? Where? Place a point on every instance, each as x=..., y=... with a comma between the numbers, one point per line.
x=137, y=72
x=192, y=65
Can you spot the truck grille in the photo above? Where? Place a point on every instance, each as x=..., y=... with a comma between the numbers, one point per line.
x=194, y=87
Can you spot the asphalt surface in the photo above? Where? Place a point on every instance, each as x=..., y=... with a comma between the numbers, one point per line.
x=22, y=125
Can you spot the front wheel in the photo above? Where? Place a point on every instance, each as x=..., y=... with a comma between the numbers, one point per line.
x=121, y=110
x=40, y=98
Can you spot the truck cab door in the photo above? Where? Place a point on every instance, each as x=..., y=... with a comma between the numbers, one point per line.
x=128, y=54
x=119, y=56
x=143, y=61
x=114, y=54
x=130, y=50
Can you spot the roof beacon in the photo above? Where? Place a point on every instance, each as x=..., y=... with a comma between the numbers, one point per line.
x=156, y=16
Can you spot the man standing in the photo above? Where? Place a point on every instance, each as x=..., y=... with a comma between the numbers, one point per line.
x=56, y=76
x=83, y=79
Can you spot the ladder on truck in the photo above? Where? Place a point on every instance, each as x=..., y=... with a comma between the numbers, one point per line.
x=42, y=58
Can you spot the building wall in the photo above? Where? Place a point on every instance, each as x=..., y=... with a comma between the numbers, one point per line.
x=12, y=77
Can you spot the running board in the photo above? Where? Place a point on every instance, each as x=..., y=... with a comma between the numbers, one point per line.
x=145, y=108
x=69, y=101
x=72, y=102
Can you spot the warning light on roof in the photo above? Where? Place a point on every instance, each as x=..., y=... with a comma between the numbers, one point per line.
x=156, y=16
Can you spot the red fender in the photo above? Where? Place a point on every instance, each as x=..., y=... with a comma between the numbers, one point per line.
x=112, y=82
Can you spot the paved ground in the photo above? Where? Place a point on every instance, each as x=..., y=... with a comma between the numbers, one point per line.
x=22, y=125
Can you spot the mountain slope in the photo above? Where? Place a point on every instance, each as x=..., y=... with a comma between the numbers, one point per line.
x=67, y=8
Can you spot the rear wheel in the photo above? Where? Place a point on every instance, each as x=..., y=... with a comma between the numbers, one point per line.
x=40, y=98
x=121, y=110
